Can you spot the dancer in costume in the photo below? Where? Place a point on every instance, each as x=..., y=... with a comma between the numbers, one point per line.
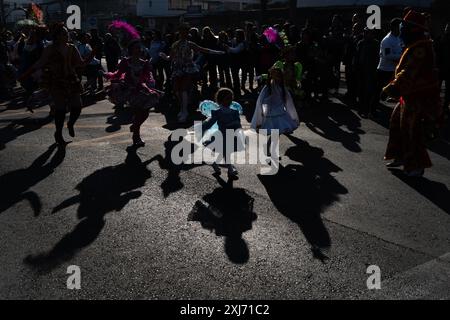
x=184, y=69
x=133, y=82
x=275, y=107
x=59, y=62
x=223, y=116
x=416, y=84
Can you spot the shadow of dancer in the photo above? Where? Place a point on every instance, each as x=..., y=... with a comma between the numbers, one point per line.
x=328, y=121
x=228, y=212
x=106, y=190
x=436, y=192
x=121, y=117
x=15, y=185
x=303, y=192
x=173, y=182
x=21, y=127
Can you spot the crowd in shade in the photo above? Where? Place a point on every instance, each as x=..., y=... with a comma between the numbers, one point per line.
x=286, y=67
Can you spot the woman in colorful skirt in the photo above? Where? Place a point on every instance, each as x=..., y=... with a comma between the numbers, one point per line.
x=133, y=83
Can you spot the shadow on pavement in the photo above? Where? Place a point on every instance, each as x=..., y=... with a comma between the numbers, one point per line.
x=106, y=190
x=121, y=117
x=19, y=128
x=436, y=192
x=173, y=182
x=15, y=185
x=229, y=213
x=328, y=121
x=303, y=192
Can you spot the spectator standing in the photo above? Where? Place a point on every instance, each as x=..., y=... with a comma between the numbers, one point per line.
x=390, y=52
x=112, y=52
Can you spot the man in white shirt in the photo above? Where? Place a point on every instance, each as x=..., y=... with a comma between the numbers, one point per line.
x=391, y=50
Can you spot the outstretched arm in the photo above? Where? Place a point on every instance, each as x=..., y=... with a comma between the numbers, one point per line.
x=197, y=48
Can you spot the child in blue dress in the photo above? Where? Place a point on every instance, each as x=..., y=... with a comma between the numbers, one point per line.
x=226, y=118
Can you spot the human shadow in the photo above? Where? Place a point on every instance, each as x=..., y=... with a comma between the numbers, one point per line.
x=436, y=192
x=172, y=183
x=328, y=121
x=16, y=185
x=121, y=117
x=229, y=213
x=106, y=190
x=88, y=99
x=21, y=127
x=37, y=100
x=303, y=192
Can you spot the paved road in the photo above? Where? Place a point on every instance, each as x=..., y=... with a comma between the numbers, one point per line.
x=130, y=219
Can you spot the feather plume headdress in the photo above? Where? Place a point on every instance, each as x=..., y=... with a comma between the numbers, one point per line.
x=280, y=39
x=126, y=28
x=35, y=13
x=271, y=35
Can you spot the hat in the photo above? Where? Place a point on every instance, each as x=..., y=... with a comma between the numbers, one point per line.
x=416, y=19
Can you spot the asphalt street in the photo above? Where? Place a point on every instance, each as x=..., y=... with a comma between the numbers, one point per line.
x=140, y=228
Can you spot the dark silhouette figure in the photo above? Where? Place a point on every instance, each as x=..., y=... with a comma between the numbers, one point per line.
x=173, y=182
x=303, y=192
x=106, y=190
x=228, y=212
x=121, y=117
x=328, y=121
x=15, y=186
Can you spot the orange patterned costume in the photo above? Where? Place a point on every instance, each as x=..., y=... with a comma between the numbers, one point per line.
x=416, y=83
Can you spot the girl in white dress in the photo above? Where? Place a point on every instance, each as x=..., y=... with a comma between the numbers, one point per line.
x=275, y=109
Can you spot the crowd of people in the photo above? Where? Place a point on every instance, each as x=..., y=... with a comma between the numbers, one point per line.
x=287, y=66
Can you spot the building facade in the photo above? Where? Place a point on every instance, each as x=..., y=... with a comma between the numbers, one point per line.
x=172, y=8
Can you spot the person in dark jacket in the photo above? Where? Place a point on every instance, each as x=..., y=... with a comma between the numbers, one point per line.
x=112, y=52
x=366, y=63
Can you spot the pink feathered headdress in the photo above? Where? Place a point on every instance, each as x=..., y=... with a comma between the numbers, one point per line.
x=271, y=34
x=127, y=28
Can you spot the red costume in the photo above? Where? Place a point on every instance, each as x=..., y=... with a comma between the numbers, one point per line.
x=416, y=83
